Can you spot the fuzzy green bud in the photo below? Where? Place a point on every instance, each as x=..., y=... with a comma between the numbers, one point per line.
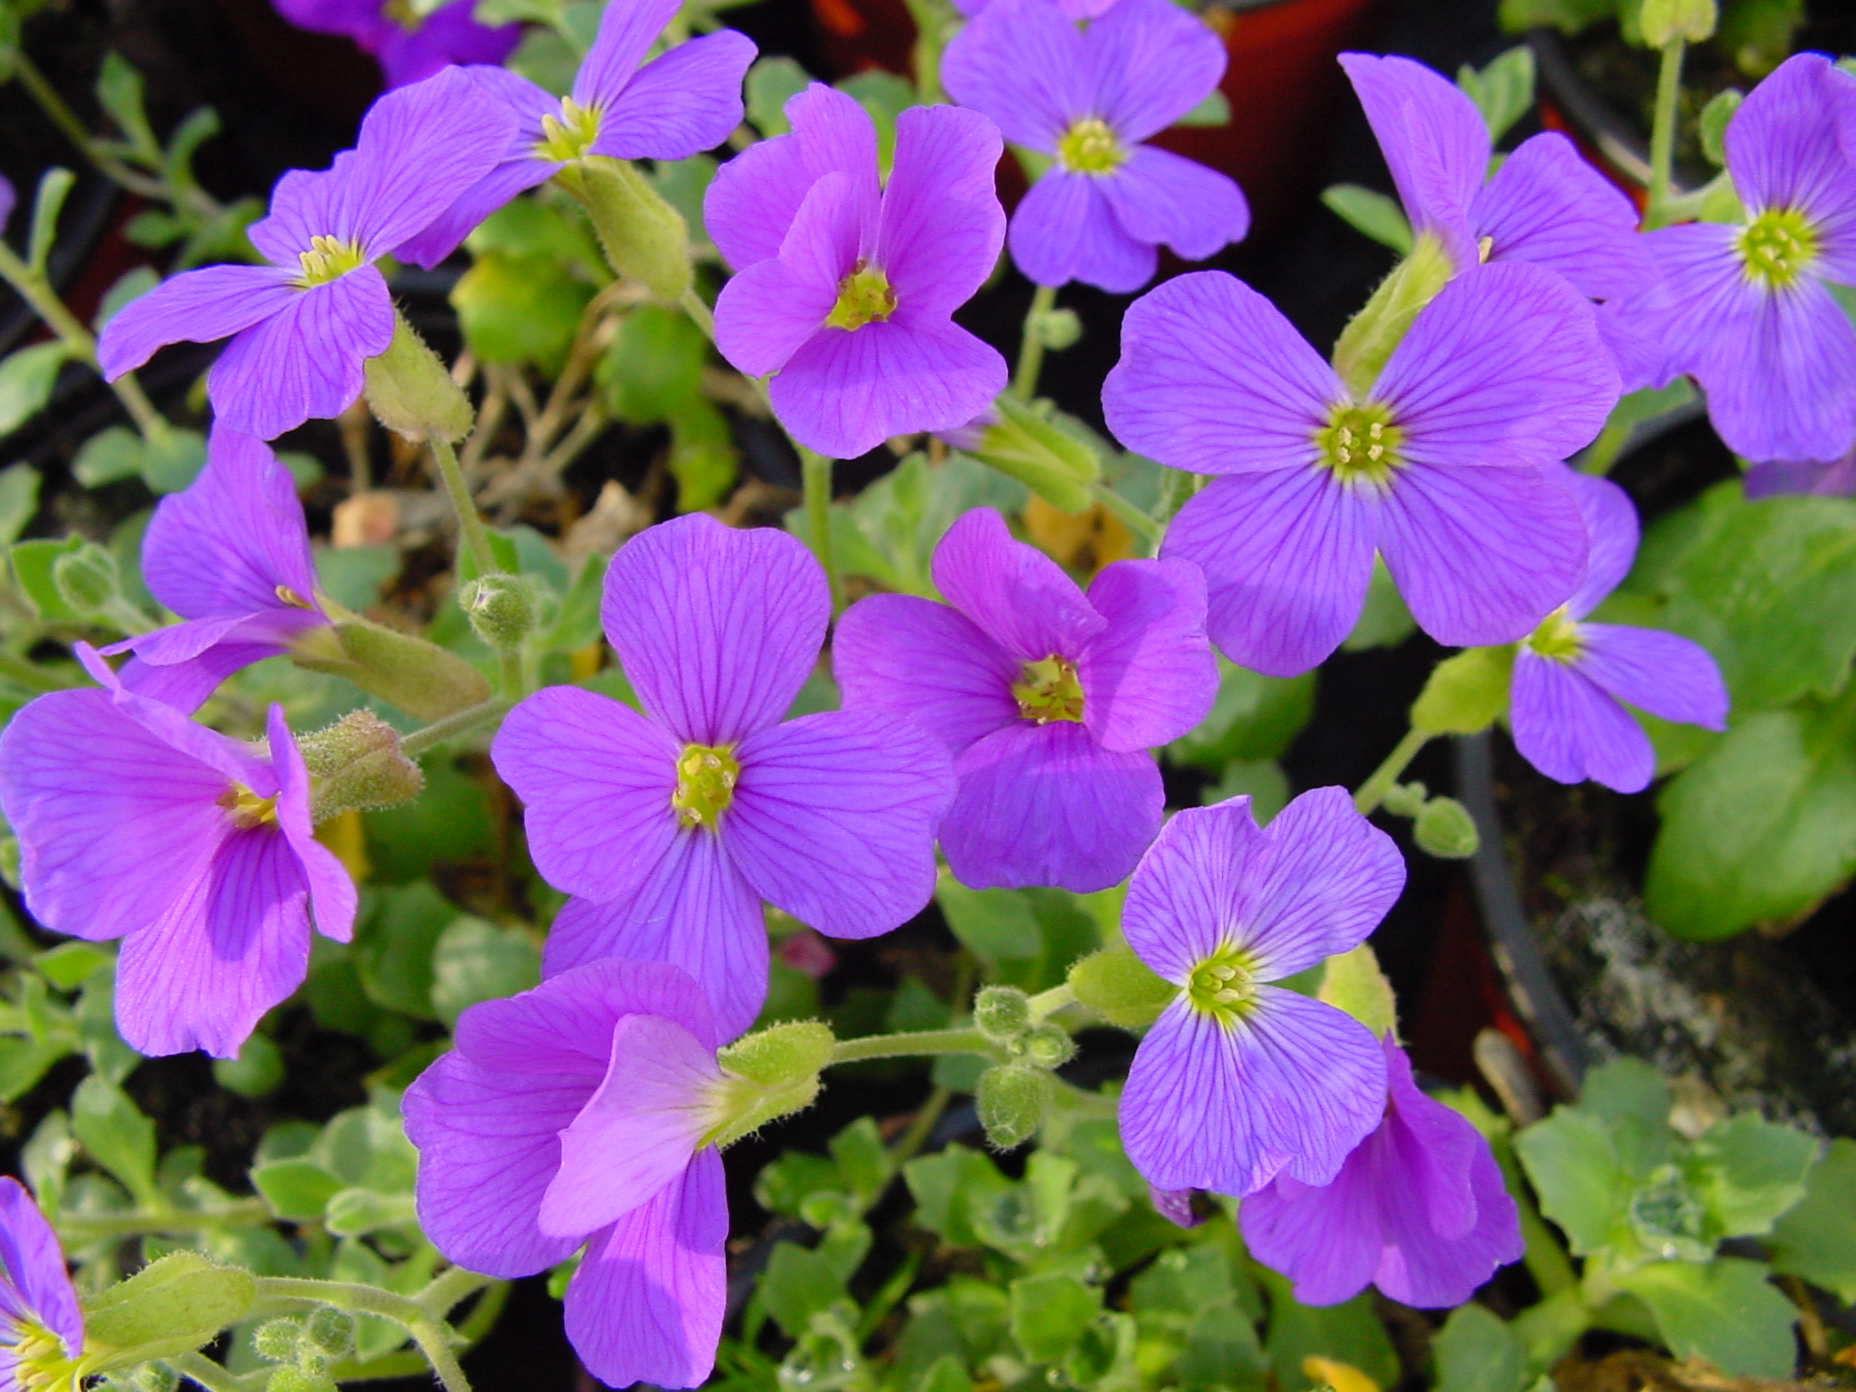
x=411, y=393
x=769, y=1074
x=86, y=578
x=1011, y=1099
x=1122, y=987
x=642, y=235
x=1662, y=22
x=1371, y=335
x=1405, y=799
x=170, y=1306
x=1056, y=465
x=1057, y=329
x=501, y=609
x=1465, y=693
x=277, y=1340
x=1048, y=1046
x=420, y=678
x=1444, y=829
x=356, y=763
x=1001, y=1013
x=331, y=1331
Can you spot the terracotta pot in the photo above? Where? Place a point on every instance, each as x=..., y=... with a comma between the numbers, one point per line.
x=1285, y=89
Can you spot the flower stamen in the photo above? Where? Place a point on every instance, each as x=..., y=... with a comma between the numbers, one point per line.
x=864, y=297
x=706, y=778
x=246, y=809
x=328, y=258
x=1223, y=985
x=1090, y=147
x=1776, y=247
x=1557, y=637
x=1360, y=443
x=1049, y=690
x=569, y=136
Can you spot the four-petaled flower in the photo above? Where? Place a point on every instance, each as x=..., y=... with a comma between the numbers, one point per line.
x=1088, y=98
x=41, y=1327
x=302, y=326
x=1438, y=466
x=408, y=47
x=1418, y=1210
x=583, y=1113
x=1048, y=699
x=136, y=823
x=670, y=827
x=1570, y=675
x=846, y=285
x=1240, y=1081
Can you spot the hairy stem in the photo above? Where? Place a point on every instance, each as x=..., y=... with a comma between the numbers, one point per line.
x=431, y=1335
x=448, y=1288
x=911, y=1042
x=815, y=474
x=199, y=1369
x=1663, y=135
x=473, y=536
x=1373, y=790
x=1143, y=526
x=248, y=1213
x=1031, y=344
x=441, y=730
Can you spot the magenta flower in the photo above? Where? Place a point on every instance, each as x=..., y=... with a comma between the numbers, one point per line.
x=408, y=49
x=230, y=555
x=41, y=1327
x=1417, y=1210
x=1239, y=1081
x=1046, y=698
x=673, y=825
x=302, y=326
x=1745, y=309
x=1087, y=98
x=580, y=1114
x=1545, y=205
x=1569, y=675
x=1072, y=9
x=1437, y=466
x=845, y=286
x=136, y=823
x=684, y=101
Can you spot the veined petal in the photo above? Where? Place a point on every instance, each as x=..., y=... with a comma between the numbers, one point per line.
x=1547, y=205
x=304, y=362
x=1570, y=730
x=331, y=890
x=564, y=1026
x=1015, y=594
x=186, y=684
x=193, y=307
x=834, y=819
x=1152, y=63
x=942, y=225
x=446, y=233
x=695, y=912
x=1187, y=893
x=1481, y=555
x=1160, y=197
x=449, y=34
x=1287, y=555
x=1289, y=1089
x=646, y=1303
x=1781, y=375
x=1783, y=151
x=626, y=31
x=1325, y=1239
x=1045, y=805
x=34, y=1264
x=1024, y=64
x=1148, y=676
x=717, y=627
x=907, y=658
x=597, y=779
x=681, y=103
x=489, y=1145
x=1611, y=532
x=1213, y=379
x=1065, y=229
x=1662, y=673
x=1434, y=1275
x=768, y=311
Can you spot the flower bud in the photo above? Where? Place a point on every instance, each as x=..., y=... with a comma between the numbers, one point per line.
x=1444, y=829
x=1354, y=983
x=1662, y=22
x=331, y=1331
x=1371, y=335
x=1465, y=693
x=1001, y=1013
x=170, y=1306
x=771, y=1073
x=642, y=235
x=277, y=1340
x=411, y=393
x=420, y=678
x=1122, y=987
x=501, y=609
x=1057, y=466
x=356, y=764
x=1057, y=329
x=1048, y=1046
x=86, y=578
x=1011, y=1099
x=299, y=1380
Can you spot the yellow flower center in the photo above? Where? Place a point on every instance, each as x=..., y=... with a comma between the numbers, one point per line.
x=706, y=778
x=570, y=135
x=246, y=808
x=1090, y=147
x=1223, y=985
x=1557, y=637
x=42, y=1364
x=1049, y=690
x=864, y=297
x=1777, y=247
x=1360, y=443
x=328, y=258
x=403, y=14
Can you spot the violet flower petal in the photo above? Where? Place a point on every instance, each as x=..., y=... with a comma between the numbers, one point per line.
x=942, y=225
x=1611, y=534
x=1662, y=673
x=1325, y=1238
x=200, y=306
x=1570, y=730
x=446, y=233
x=1783, y=152
x=1065, y=229
x=1025, y=64
x=770, y=310
x=1160, y=197
x=1151, y=62
x=449, y=34
x=626, y=32
x=1015, y=594
x=1187, y=896
x=909, y=658
x=681, y=103
x=1148, y=676
x=564, y=1026
x=1548, y=206
x=32, y=1264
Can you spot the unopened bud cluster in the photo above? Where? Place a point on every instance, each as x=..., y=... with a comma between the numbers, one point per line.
x=1441, y=826
x=1012, y=1096
x=356, y=764
x=501, y=609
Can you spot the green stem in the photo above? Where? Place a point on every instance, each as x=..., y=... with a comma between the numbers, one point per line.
x=202, y=1370
x=1663, y=135
x=1031, y=344
x=40, y=89
x=920, y=1128
x=697, y=309
x=815, y=474
x=473, y=536
x=450, y=1287
x=439, y=731
x=432, y=1336
x=1373, y=790
x=1047, y=1003
x=910, y=1042
x=30, y=675
x=249, y=1213
x=1143, y=526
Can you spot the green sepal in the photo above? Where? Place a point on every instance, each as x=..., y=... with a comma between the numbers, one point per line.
x=642, y=235
x=1122, y=987
x=411, y=393
x=356, y=763
x=1354, y=983
x=1465, y=693
x=1051, y=462
x=420, y=678
x=1371, y=335
x=170, y=1306
x=770, y=1074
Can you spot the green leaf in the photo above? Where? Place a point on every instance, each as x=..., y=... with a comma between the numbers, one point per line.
x=477, y=961
x=173, y=460
x=26, y=379
x=1573, y=1164
x=1761, y=827
x=946, y=1187
x=1749, y=1171
x=1817, y=1238
x=520, y=310
x=108, y=457
x=1711, y=125
x=19, y=500
x=1050, y=1313
x=1568, y=16
x=993, y=923
x=117, y=1135
x=1252, y=718
x=68, y=964
x=1503, y=91
x=1222, y=1350
x=800, y=1282
x=1262, y=781
x=1627, y=1087
x=652, y=370
x=297, y=1190
x=449, y=823
x=1371, y=214
x=771, y=82
x=1348, y=1333
x=54, y=187
x=1214, y=109
x=1477, y=1352
x=119, y=90
x=1725, y=1311
x=394, y=945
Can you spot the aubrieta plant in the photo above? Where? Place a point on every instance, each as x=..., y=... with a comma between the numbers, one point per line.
x=568, y=826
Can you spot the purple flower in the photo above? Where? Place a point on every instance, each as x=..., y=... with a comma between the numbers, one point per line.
x=1569, y=675
x=1418, y=1210
x=1046, y=698
x=136, y=823
x=7, y=199
x=1835, y=478
x=1545, y=204
x=230, y=555
x=41, y=1328
x=408, y=52
x=302, y=326
x=1745, y=309
x=846, y=287
x=670, y=827
x=684, y=101
x=1437, y=466
x=1239, y=1081
x=1072, y=9
x=1087, y=98
x=580, y=1114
